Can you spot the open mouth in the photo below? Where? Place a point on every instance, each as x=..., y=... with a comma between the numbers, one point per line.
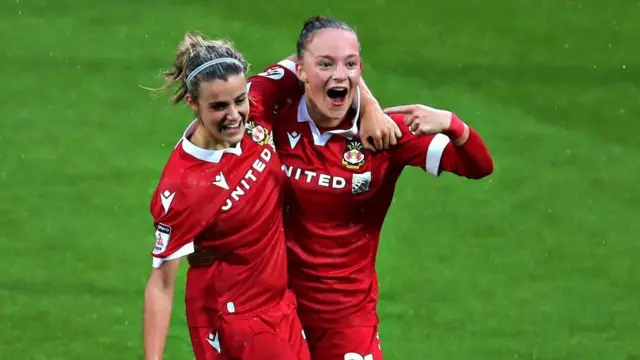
x=232, y=126
x=338, y=95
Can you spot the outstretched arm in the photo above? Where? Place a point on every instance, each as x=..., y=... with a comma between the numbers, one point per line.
x=439, y=141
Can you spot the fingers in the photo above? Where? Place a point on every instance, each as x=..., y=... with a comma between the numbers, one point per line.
x=393, y=134
x=421, y=130
x=396, y=130
x=410, y=120
x=378, y=140
x=386, y=138
x=401, y=109
x=367, y=143
x=414, y=127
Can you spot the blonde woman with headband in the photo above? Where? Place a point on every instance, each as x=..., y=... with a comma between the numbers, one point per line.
x=219, y=203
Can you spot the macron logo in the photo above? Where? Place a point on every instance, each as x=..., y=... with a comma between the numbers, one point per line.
x=166, y=198
x=214, y=341
x=221, y=181
x=294, y=137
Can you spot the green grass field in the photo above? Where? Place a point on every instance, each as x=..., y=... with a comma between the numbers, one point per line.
x=540, y=261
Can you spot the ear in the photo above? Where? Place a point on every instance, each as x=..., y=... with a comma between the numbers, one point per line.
x=191, y=102
x=302, y=75
x=361, y=65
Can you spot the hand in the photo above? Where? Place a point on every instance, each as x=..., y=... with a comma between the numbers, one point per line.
x=379, y=128
x=423, y=119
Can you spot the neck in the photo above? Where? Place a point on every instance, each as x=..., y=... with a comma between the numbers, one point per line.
x=319, y=118
x=203, y=139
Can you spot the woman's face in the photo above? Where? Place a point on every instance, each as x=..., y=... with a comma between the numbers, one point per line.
x=331, y=69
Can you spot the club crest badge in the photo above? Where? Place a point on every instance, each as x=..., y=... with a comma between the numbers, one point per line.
x=353, y=157
x=257, y=133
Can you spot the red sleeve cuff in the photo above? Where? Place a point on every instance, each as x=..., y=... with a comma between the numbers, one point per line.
x=456, y=128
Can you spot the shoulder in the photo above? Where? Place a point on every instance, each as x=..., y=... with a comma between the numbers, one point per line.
x=281, y=75
x=274, y=88
x=174, y=192
x=276, y=71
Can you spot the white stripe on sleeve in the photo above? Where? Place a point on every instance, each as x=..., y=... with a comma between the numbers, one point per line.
x=187, y=249
x=289, y=65
x=434, y=153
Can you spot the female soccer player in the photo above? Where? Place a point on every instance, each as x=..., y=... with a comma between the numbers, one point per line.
x=339, y=193
x=220, y=194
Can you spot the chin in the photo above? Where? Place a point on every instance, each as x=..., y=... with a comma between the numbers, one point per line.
x=341, y=112
x=232, y=140
x=338, y=114
x=236, y=138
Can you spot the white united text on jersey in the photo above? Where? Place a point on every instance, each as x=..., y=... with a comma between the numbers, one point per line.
x=249, y=179
x=312, y=177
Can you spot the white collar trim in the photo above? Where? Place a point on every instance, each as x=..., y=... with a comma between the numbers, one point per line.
x=321, y=139
x=199, y=153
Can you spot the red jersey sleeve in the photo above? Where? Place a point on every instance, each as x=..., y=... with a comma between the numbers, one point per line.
x=273, y=88
x=435, y=153
x=175, y=222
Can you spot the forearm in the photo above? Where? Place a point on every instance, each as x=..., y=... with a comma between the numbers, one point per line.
x=367, y=101
x=457, y=130
x=469, y=158
x=158, y=301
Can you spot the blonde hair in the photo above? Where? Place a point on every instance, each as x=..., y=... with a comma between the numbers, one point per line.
x=194, y=51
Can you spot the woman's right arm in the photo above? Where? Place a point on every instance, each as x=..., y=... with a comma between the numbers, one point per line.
x=158, y=301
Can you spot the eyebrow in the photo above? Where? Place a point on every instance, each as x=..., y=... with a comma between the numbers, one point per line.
x=332, y=58
x=220, y=103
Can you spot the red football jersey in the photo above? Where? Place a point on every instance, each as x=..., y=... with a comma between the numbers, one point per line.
x=230, y=202
x=337, y=199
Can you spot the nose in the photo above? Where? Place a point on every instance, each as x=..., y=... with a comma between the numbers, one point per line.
x=233, y=114
x=340, y=73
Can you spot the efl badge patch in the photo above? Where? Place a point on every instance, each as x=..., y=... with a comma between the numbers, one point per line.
x=163, y=234
x=257, y=132
x=360, y=183
x=353, y=157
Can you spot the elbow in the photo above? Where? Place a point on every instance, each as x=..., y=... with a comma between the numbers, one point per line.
x=486, y=168
x=159, y=282
x=482, y=169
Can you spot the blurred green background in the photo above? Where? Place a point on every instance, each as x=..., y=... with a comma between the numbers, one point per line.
x=539, y=261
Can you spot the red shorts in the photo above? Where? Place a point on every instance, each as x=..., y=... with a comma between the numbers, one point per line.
x=349, y=343
x=205, y=344
x=274, y=334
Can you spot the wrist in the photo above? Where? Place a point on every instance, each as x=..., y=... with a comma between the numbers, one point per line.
x=456, y=128
x=371, y=105
x=365, y=99
x=368, y=107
